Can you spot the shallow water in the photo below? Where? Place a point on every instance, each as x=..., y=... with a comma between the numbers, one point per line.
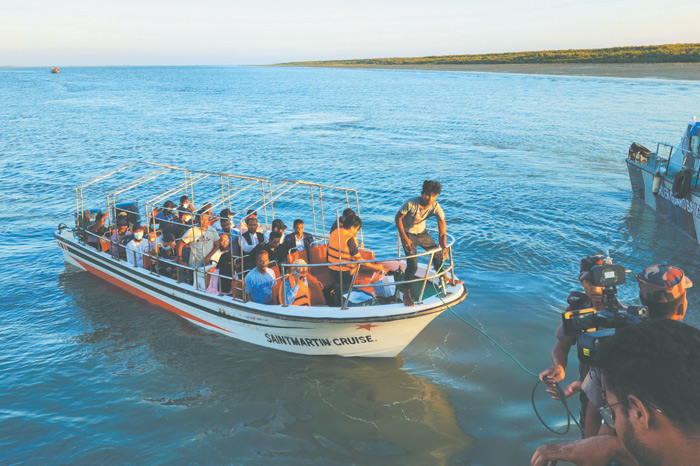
x=533, y=178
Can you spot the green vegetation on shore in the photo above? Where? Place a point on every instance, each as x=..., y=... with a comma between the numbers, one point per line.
x=670, y=53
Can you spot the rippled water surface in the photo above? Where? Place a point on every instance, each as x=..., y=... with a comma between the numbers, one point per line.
x=533, y=178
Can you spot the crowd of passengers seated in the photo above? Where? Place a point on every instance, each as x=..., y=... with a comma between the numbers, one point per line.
x=179, y=229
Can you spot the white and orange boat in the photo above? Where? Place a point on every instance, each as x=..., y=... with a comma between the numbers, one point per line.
x=382, y=327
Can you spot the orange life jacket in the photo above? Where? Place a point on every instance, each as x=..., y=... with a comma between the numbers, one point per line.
x=303, y=296
x=338, y=250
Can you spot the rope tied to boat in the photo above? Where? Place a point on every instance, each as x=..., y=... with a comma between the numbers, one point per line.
x=559, y=391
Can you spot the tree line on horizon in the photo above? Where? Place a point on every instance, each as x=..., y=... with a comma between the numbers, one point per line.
x=670, y=53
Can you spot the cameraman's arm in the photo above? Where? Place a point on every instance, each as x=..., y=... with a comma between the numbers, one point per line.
x=594, y=451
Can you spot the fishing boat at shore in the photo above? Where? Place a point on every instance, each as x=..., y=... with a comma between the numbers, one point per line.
x=379, y=325
x=667, y=179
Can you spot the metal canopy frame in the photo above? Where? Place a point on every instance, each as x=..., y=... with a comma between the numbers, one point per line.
x=270, y=191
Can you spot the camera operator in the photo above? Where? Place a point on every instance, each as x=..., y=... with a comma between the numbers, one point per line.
x=592, y=298
x=652, y=376
x=662, y=288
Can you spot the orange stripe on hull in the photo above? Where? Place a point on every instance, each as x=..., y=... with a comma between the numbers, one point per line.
x=145, y=296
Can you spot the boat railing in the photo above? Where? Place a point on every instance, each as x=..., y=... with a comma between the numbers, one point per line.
x=200, y=277
x=356, y=265
x=160, y=182
x=176, y=180
x=183, y=273
x=665, y=154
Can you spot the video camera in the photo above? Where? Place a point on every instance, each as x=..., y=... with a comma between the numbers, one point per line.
x=592, y=326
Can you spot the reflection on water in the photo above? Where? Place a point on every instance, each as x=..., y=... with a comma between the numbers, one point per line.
x=330, y=408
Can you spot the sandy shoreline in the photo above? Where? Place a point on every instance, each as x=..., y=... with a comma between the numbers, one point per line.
x=680, y=71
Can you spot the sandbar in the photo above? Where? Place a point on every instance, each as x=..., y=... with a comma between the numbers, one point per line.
x=679, y=71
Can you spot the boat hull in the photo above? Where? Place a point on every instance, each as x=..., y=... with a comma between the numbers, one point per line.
x=372, y=331
x=683, y=213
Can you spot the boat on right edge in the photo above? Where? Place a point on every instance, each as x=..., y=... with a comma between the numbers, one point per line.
x=667, y=180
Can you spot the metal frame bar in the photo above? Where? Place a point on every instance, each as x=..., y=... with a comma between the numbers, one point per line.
x=268, y=195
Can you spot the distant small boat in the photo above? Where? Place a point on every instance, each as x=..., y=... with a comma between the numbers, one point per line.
x=55, y=69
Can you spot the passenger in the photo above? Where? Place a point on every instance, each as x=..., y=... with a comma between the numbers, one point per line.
x=127, y=238
x=224, y=214
x=85, y=220
x=277, y=225
x=204, y=238
x=410, y=222
x=182, y=224
x=167, y=218
x=346, y=213
x=167, y=253
x=224, y=268
x=206, y=209
x=342, y=247
x=214, y=255
x=122, y=215
x=168, y=248
x=152, y=219
x=260, y=280
x=243, y=226
x=299, y=240
x=98, y=229
x=212, y=260
x=248, y=240
x=119, y=234
x=593, y=298
x=137, y=247
x=227, y=227
x=275, y=250
x=155, y=239
x=184, y=206
x=297, y=285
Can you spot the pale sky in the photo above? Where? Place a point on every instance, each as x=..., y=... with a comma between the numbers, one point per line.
x=238, y=32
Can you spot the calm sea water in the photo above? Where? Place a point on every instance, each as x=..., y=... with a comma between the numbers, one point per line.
x=533, y=178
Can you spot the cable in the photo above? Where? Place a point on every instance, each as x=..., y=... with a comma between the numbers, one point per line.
x=557, y=387
x=569, y=417
x=525, y=369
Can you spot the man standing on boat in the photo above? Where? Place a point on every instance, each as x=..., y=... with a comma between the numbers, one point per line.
x=410, y=221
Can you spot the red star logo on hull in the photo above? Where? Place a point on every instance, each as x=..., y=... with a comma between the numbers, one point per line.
x=366, y=326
